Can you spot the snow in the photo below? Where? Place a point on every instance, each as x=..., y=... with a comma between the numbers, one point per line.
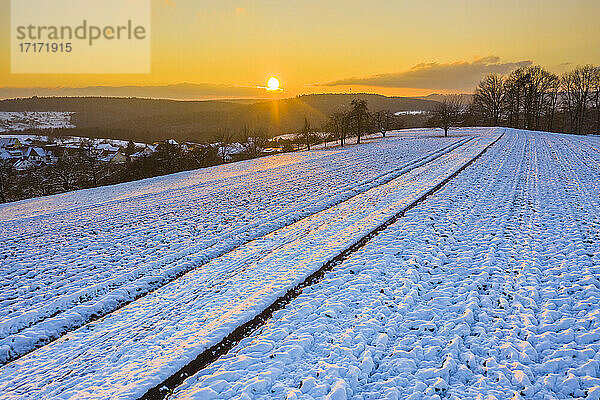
x=216, y=297
x=19, y=121
x=490, y=287
x=62, y=251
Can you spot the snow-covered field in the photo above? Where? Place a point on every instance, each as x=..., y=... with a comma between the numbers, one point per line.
x=88, y=252
x=19, y=121
x=488, y=287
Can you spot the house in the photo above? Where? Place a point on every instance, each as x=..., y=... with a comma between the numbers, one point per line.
x=113, y=157
x=146, y=152
x=37, y=155
x=118, y=158
x=189, y=146
x=63, y=152
x=107, y=147
x=5, y=155
x=23, y=165
x=10, y=155
x=149, y=149
x=10, y=143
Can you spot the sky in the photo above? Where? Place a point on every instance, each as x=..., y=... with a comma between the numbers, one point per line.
x=392, y=47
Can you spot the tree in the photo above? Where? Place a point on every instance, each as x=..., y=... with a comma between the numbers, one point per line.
x=168, y=155
x=339, y=126
x=552, y=99
x=307, y=135
x=576, y=88
x=64, y=172
x=448, y=113
x=6, y=177
x=203, y=155
x=253, y=141
x=360, y=115
x=489, y=99
x=130, y=149
x=90, y=159
x=596, y=97
x=514, y=90
x=224, y=139
x=535, y=85
x=382, y=121
x=534, y=98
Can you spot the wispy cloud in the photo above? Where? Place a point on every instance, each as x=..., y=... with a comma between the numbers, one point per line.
x=459, y=75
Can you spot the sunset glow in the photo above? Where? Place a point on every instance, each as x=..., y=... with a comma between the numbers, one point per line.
x=234, y=46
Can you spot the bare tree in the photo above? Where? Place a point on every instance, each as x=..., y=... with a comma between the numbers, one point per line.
x=64, y=172
x=596, y=97
x=224, y=139
x=91, y=159
x=382, y=121
x=536, y=83
x=307, y=135
x=489, y=98
x=6, y=177
x=448, y=113
x=130, y=149
x=339, y=125
x=576, y=87
x=253, y=141
x=515, y=83
x=360, y=116
x=552, y=100
x=534, y=98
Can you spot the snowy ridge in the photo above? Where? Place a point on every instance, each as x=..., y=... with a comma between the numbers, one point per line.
x=489, y=289
x=176, y=322
x=18, y=336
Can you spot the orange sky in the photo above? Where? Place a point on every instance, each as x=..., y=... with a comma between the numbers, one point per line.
x=418, y=47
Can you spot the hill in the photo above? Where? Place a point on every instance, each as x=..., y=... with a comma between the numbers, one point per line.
x=148, y=120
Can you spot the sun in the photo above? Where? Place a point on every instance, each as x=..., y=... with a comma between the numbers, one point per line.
x=273, y=83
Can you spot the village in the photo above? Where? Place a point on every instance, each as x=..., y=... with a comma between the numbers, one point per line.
x=27, y=153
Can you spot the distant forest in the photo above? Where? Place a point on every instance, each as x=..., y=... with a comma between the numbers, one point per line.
x=153, y=120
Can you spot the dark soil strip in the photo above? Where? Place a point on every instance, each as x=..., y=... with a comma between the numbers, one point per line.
x=210, y=355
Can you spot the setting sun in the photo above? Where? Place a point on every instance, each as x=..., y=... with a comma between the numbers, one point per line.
x=273, y=84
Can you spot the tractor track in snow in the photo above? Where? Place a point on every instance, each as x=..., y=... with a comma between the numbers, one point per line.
x=135, y=292
x=211, y=354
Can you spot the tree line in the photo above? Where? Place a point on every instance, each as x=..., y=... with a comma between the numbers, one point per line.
x=352, y=121
x=533, y=98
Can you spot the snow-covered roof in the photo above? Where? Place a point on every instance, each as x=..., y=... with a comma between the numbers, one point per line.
x=36, y=152
x=22, y=165
x=107, y=146
x=4, y=155
x=8, y=141
x=13, y=153
x=108, y=156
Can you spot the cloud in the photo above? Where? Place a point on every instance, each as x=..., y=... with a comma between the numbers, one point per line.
x=239, y=11
x=459, y=75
